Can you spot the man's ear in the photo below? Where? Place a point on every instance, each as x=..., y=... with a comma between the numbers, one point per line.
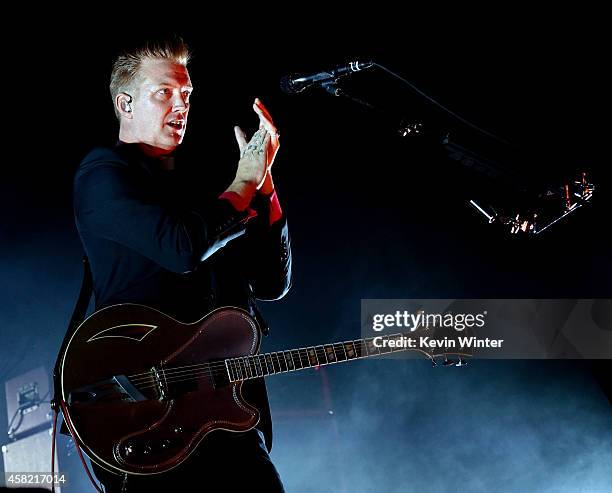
x=123, y=103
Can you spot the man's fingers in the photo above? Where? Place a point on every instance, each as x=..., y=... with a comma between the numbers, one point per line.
x=240, y=138
x=263, y=109
x=266, y=146
x=265, y=120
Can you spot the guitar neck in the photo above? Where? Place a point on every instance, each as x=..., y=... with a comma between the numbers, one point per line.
x=262, y=365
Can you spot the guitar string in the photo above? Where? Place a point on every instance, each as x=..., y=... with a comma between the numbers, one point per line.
x=351, y=349
x=248, y=374
x=220, y=365
x=184, y=379
x=250, y=362
x=302, y=353
x=327, y=349
x=300, y=350
x=361, y=343
x=243, y=368
x=207, y=372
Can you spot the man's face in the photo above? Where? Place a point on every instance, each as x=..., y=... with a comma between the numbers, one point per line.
x=160, y=104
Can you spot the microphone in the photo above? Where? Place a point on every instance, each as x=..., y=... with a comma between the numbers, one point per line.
x=293, y=84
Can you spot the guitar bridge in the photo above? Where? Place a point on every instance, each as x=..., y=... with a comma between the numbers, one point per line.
x=117, y=387
x=120, y=388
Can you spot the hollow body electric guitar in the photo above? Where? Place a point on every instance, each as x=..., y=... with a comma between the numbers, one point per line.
x=141, y=390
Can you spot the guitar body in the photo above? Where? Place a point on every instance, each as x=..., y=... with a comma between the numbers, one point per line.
x=142, y=390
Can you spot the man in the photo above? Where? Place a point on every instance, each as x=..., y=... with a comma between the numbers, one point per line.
x=152, y=239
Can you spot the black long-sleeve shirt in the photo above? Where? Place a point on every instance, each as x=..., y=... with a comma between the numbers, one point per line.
x=151, y=239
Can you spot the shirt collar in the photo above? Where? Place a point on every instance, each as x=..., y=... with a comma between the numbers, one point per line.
x=152, y=164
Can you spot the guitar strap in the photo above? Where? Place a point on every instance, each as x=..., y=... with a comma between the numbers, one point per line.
x=78, y=315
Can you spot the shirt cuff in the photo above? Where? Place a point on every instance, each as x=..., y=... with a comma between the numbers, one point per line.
x=275, y=209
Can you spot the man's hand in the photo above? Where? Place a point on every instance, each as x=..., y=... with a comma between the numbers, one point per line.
x=254, y=174
x=265, y=121
x=253, y=164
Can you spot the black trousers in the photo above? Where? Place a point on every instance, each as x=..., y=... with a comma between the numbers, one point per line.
x=224, y=462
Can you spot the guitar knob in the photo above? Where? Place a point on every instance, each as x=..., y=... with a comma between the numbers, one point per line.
x=165, y=444
x=128, y=449
x=177, y=429
x=147, y=449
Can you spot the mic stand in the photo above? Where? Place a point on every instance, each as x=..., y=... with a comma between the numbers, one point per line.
x=332, y=88
x=532, y=221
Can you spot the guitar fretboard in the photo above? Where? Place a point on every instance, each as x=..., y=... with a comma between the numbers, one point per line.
x=261, y=365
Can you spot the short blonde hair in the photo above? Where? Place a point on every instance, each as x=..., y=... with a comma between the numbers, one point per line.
x=127, y=65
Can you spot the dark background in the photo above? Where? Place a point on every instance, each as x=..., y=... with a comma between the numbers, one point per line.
x=372, y=215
